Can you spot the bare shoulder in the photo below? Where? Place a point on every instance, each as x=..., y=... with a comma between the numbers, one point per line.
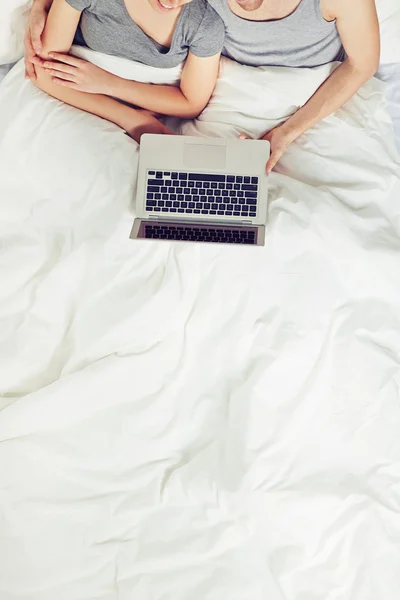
x=338, y=9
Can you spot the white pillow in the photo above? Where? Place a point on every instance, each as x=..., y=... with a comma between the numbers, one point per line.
x=13, y=19
x=389, y=18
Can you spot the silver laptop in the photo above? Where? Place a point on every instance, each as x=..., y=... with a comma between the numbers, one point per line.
x=201, y=190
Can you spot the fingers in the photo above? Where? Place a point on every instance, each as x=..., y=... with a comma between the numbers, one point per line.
x=67, y=59
x=30, y=72
x=242, y=136
x=59, y=75
x=273, y=160
x=39, y=62
x=37, y=24
x=63, y=83
x=59, y=67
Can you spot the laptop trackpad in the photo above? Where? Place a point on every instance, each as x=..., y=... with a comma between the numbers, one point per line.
x=200, y=156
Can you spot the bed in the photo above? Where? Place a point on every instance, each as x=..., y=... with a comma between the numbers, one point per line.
x=190, y=422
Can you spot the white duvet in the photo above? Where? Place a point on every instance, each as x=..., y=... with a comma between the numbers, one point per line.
x=193, y=422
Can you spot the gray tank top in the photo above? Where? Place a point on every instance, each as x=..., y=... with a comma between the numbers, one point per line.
x=302, y=39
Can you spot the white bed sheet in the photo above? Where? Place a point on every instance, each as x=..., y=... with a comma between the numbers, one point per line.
x=187, y=422
x=390, y=74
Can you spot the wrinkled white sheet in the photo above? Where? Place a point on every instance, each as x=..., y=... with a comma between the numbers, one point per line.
x=188, y=422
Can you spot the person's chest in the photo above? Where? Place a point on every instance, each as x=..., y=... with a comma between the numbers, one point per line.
x=274, y=9
x=158, y=27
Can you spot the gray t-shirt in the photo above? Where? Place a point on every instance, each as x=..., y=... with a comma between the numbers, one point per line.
x=302, y=39
x=106, y=26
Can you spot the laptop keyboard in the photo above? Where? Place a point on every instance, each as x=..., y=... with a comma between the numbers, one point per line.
x=224, y=235
x=201, y=194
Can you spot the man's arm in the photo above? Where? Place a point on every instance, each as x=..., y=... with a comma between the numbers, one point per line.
x=358, y=26
x=33, y=34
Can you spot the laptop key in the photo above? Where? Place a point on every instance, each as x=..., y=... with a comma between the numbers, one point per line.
x=151, y=203
x=204, y=177
x=153, y=188
x=249, y=187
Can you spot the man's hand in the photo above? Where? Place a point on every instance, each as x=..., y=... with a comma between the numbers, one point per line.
x=33, y=34
x=77, y=74
x=280, y=138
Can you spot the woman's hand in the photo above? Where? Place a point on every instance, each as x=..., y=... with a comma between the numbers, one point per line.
x=280, y=138
x=145, y=122
x=77, y=74
x=33, y=35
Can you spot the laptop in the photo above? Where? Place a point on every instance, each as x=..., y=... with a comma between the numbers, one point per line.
x=195, y=189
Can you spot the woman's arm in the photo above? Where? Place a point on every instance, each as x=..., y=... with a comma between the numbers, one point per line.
x=58, y=36
x=358, y=27
x=198, y=80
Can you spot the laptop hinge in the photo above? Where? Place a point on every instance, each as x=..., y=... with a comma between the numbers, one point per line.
x=187, y=219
